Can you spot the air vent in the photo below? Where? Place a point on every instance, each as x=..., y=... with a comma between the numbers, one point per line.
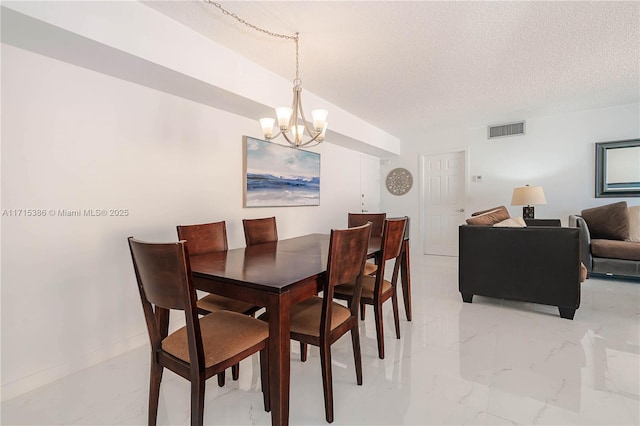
x=503, y=130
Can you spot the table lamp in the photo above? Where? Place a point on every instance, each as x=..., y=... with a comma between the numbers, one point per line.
x=528, y=196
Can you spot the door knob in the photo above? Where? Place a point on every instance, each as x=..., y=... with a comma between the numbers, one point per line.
x=460, y=210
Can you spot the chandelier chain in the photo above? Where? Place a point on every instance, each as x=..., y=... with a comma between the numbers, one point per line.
x=295, y=38
x=239, y=19
x=297, y=60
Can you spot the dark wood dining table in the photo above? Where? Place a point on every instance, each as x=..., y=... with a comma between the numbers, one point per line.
x=274, y=275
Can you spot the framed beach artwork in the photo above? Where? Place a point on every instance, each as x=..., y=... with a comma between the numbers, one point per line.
x=279, y=176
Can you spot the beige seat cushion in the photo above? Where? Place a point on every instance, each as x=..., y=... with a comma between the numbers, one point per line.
x=305, y=316
x=370, y=268
x=224, y=335
x=215, y=302
x=368, y=285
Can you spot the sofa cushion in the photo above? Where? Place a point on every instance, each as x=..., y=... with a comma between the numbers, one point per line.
x=614, y=249
x=512, y=222
x=610, y=222
x=634, y=223
x=489, y=217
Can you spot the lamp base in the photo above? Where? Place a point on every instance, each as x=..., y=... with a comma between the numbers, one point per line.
x=527, y=212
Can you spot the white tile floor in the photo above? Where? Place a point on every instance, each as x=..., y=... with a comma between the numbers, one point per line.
x=490, y=362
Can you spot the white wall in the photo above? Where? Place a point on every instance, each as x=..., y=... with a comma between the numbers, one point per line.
x=76, y=139
x=557, y=152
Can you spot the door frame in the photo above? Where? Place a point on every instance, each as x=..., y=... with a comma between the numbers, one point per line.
x=378, y=191
x=423, y=156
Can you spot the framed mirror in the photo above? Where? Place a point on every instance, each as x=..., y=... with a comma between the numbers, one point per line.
x=618, y=169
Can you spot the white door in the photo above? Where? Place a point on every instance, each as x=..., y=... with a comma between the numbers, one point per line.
x=443, y=183
x=369, y=184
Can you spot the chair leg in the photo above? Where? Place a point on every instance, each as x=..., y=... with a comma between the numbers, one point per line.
x=327, y=379
x=396, y=314
x=362, y=305
x=264, y=379
x=377, y=310
x=235, y=371
x=357, y=355
x=154, y=391
x=197, y=401
x=221, y=378
x=303, y=352
x=405, y=269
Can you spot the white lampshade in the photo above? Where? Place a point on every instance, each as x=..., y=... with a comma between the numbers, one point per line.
x=267, y=127
x=319, y=118
x=297, y=131
x=323, y=133
x=284, y=115
x=528, y=196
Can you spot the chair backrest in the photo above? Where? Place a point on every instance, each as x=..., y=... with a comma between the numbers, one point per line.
x=376, y=219
x=407, y=234
x=258, y=231
x=164, y=281
x=204, y=238
x=345, y=264
x=347, y=254
x=392, y=238
x=390, y=248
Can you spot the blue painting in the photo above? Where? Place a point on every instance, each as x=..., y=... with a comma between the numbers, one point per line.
x=277, y=175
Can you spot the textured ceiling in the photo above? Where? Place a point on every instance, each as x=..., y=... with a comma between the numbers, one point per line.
x=410, y=67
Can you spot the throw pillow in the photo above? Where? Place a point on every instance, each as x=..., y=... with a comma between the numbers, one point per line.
x=610, y=222
x=634, y=224
x=489, y=217
x=488, y=210
x=513, y=222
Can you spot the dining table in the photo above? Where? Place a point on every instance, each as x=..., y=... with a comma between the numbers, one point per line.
x=274, y=275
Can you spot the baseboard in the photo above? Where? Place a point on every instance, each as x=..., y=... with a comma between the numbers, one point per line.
x=50, y=375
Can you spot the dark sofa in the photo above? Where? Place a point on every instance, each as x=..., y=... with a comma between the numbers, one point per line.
x=538, y=264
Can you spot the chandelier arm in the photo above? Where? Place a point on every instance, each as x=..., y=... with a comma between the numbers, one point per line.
x=276, y=135
x=310, y=129
x=289, y=140
x=294, y=110
x=313, y=139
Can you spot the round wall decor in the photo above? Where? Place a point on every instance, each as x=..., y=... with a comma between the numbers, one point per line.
x=399, y=181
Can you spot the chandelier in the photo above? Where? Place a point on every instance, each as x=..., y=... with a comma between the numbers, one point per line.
x=292, y=123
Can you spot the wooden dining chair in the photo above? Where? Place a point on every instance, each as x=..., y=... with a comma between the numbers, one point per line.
x=202, y=348
x=258, y=231
x=319, y=320
x=376, y=219
x=377, y=222
x=210, y=238
x=376, y=289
